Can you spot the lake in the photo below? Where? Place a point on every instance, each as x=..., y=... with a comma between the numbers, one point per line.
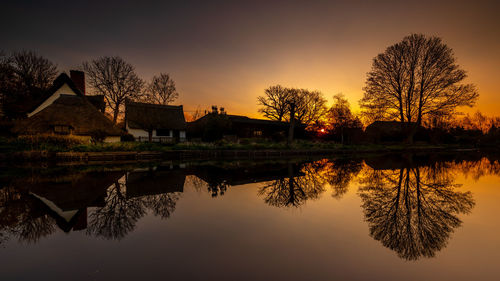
x=364, y=217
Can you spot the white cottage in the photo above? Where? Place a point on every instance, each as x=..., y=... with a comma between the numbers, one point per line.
x=153, y=122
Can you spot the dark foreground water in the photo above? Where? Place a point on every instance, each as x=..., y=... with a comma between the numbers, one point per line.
x=386, y=217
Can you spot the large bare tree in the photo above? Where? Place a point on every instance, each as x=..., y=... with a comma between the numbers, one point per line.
x=292, y=105
x=116, y=80
x=415, y=78
x=275, y=102
x=161, y=90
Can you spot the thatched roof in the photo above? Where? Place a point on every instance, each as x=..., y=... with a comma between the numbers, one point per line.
x=62, y=79
x=68, y=110
x=145, y=115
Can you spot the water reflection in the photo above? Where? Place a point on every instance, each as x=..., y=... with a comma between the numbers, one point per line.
x=412, y=210
x=411, y=203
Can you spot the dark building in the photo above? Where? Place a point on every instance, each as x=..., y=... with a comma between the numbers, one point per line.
x=165, y=123
x=215, y=125
x=393, y=131
x=66, y=110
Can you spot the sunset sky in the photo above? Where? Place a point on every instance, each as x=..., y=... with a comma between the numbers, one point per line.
x=226, y=53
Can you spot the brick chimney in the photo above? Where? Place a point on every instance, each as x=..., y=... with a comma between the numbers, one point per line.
x=78, y=78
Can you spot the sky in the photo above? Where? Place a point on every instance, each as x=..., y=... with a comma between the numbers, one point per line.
x=226, y=53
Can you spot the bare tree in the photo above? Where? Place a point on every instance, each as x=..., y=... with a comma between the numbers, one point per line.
x=275, y=102
x=310, y=106
x=161, y=90
x=24, y=77
x=292, y=105
x=415, y=78
x=340, y=117
x=115, y=79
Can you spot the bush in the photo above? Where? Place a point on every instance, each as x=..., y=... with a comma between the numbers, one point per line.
x=97, y=136
x=127, y=138
x=48, y=142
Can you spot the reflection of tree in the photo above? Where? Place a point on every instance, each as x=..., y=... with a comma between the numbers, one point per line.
x=118, y=216
x=338, y=174
x=413, y=211
x=20, y=217
x=216, y=187
x=162, y=205
x=120, y=212
x=294, y=190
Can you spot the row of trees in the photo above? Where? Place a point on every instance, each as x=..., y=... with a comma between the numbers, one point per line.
x=413, y=81
x=25, y=76
x=117, y=80
x=308, y=108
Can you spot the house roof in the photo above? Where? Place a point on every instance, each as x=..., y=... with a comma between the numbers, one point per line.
x=144, y=115
x=62, y=79
x=240, y=119
x=68, y=110
x=245, y=119
x=387, y=126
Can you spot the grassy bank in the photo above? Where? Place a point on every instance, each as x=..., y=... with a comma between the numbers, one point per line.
x=60, y=144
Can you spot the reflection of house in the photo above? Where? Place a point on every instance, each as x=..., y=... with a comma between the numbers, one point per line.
x=68, y=197
x=239, y=175
x=154, y=182
x=166, y=123
x=65, y=110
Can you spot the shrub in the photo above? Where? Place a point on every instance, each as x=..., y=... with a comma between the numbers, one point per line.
x=49, y=142
x=97, y=136
x=127, y=138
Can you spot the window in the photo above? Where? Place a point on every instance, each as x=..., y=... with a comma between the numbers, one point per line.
x=62, y=129
x=163, y=133
x=257, y=133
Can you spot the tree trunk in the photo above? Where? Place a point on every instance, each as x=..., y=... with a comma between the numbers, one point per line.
x=292, y=125
x=150, y=136
x=115, y=114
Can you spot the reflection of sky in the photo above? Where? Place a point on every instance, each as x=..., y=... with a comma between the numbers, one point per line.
x=238, y=236
x=227, y=52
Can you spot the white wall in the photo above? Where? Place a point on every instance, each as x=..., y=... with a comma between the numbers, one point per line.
x=64, y=90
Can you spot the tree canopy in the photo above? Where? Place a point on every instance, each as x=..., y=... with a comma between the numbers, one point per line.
x=24, y=77
x=276, y=103
x=415, y=78
x=116, y=80
x=161, y=90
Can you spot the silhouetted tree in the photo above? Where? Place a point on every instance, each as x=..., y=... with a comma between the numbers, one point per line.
x=292, y=105
x=24, y=78
x=275, y=102
x=115, y=79
x=413, y=211
x=415, y=78
x=161, y=90
x=340, y=118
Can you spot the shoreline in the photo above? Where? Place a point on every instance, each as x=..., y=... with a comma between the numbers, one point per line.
x=211, y=154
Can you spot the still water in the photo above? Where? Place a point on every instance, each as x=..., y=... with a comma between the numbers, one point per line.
x=378, y=217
